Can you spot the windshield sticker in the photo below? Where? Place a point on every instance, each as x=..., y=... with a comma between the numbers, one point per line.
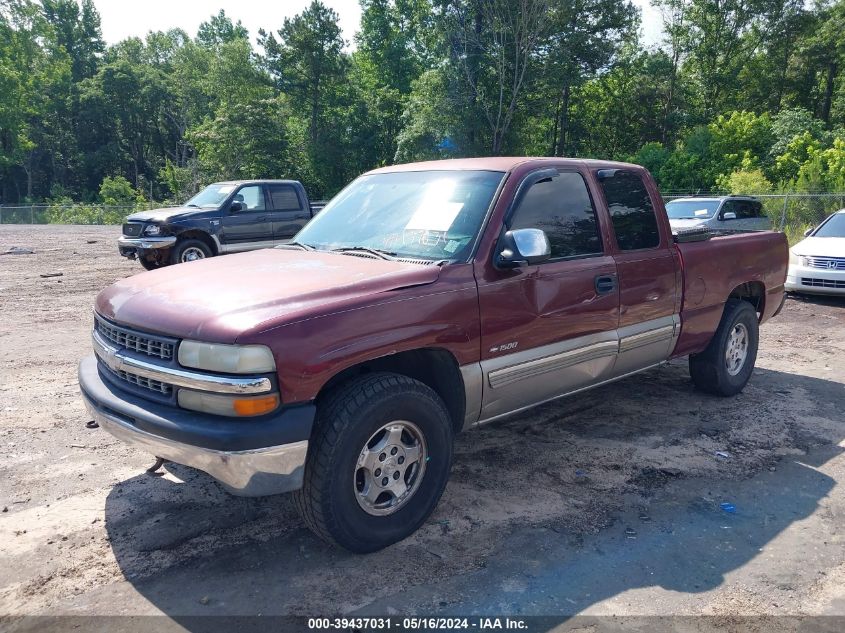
x=451, y=246
x=436, y=211
x=226, y=189
x=431, y=238
x=701, y=212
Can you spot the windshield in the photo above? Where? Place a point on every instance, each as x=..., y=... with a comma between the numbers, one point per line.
x=834, y=227
x=421, y=215
x=692, y=209
x=211, y=197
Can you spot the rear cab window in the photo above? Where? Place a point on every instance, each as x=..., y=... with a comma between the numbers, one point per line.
x=631, y=210
x=561, y=207
x=284, y=197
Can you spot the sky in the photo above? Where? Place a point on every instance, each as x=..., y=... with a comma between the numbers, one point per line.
x=122, y=19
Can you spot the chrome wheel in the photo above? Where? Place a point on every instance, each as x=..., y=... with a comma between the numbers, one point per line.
x=390, y=468
x=192, y=253
x=737, y=349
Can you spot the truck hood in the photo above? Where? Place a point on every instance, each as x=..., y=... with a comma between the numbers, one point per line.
x=221, y=299
x=160, y=215
x=821, y=247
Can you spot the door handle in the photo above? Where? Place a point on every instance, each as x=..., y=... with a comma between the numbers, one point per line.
x=605, y=284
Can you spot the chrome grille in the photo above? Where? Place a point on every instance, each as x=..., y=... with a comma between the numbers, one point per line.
x=826, y=263
x=135, y=341
x=147, y=383
x=823, y=283
x=132, y=229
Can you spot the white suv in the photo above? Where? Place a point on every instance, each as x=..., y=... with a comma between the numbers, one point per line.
x=726, y=213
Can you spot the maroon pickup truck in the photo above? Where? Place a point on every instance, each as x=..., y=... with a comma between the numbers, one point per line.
x=425, y=299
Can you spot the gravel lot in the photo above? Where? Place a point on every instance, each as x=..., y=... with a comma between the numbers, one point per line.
x=603, y=503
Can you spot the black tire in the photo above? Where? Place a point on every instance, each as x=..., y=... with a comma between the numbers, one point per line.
x=328, y=500
x=191, y=246
x=150, y=264
x=709, y=369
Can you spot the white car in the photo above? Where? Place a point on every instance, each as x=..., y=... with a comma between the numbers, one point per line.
x=725, y=213
x=817, y=263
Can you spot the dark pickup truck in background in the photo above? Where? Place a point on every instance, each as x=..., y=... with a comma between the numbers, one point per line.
x=423, y=300
x=225, y=217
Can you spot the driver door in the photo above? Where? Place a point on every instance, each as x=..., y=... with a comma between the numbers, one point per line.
x=250, y=227
x=549, y=329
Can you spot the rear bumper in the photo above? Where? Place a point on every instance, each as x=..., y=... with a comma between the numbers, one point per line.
x=249, y=458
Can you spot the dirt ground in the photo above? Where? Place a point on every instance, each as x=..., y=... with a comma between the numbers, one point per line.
x=608, y=502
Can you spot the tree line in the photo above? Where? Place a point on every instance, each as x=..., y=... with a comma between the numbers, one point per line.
x=740, y=95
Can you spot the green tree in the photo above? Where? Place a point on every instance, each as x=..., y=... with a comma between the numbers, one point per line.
x=494, y=45
x=623, y=108
x=307, y=60
x=244, y=135
x=117, y=191
x=220, y=30
x=585, y=36
x=393, y=50
x=431, y=127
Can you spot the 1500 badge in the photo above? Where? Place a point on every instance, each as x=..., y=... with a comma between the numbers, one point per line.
x=504, y=347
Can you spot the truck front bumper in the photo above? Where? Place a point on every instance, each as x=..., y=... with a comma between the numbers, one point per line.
x=249, y=458
x=137, y=246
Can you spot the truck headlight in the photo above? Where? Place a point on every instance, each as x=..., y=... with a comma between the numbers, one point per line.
x=230, y=406
x=229, y=359
x=152, y=229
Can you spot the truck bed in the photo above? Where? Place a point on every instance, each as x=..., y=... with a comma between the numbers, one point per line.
x=713, y=268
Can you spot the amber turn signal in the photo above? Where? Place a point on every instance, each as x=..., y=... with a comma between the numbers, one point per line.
x=231, y=406
x=255, y=406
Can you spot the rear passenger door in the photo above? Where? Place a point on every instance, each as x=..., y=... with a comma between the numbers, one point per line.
x=648, y=271
x=549, y=329
x=288, y=211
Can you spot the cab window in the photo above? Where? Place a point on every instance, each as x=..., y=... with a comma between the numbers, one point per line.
x=748, y=209
x=284, y=198
x=631, y=211
x=561, y=206
x=252, y=196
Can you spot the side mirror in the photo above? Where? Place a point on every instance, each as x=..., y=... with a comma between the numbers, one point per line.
x=729, y=215
x=523, y=247
x=237, y=206
x=809, y=231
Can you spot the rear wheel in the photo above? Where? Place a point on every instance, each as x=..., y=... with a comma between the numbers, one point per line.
x=725, y=367
x=378, y=462
x=188, y=251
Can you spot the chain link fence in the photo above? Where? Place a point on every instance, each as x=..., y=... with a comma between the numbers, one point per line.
x=77, y=213
x=792, y=213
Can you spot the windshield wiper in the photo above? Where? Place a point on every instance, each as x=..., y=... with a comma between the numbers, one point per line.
x=305, y=247
x=364, y=249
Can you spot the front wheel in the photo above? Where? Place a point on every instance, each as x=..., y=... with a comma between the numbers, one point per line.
x=725, y=367
x=150, y=264
x=378, y=462
x=189, y=251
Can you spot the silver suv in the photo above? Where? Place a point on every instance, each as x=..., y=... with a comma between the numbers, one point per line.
x=726, y=213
